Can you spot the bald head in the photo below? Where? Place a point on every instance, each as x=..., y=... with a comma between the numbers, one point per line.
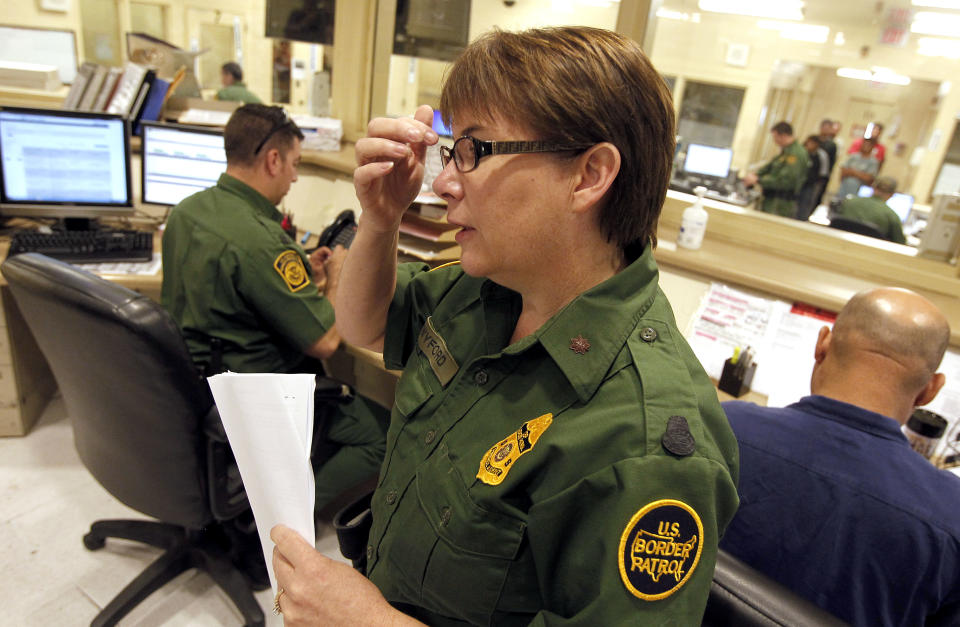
x=895, y=325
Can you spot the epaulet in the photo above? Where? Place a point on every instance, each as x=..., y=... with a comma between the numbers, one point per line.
x=445, y=265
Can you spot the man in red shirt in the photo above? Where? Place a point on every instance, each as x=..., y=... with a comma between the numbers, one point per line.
x=874, y=129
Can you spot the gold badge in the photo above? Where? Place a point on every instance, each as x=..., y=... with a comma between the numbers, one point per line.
x=498, y=461
x=660, y=549
x=290, y=266
x=791, y=159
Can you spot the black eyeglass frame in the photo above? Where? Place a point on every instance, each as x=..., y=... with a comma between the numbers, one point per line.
x=287, y=121
x=483, y=149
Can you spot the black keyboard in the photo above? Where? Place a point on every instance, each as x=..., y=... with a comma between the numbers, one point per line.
x=102, y=246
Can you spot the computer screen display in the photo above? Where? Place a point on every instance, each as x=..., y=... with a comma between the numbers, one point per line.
x=64, y=163
x=708, y=160
x=900, y=203
x=179, y=161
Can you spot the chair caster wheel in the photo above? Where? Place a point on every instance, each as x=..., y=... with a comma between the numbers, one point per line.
x=93, y=542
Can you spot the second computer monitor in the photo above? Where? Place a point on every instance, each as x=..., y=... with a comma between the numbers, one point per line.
x=179, y=161
x=708, y=160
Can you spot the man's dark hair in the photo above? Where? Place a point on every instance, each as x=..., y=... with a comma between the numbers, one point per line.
x=250, y=125
x=233, y=69
x=782, y=128
x=813, y=138
x=826, y=122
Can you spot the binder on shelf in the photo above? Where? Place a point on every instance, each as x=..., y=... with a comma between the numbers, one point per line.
x=80, y=81
x=106, y=91
x=93, y=88
x=153, y=104
x=128, y=89
x=136, y=109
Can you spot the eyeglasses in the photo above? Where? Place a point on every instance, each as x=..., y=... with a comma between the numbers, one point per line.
x=467, y=151
x=276, y=127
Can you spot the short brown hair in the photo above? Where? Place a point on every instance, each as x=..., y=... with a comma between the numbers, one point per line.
x=251, y=124
x=578, y=85
x=782, y=128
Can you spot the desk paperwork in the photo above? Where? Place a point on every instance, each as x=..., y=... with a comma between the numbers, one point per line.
x=268, y=419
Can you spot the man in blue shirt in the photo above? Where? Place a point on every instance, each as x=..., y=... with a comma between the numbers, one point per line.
x=834, y=503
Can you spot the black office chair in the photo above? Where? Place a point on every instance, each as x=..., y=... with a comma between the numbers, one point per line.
x=854, y=226
x=743, y=597
x=144, y=425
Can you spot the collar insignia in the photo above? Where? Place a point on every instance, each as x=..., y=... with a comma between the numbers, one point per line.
x=580, y=345
x=660, y=549
x=498, y=461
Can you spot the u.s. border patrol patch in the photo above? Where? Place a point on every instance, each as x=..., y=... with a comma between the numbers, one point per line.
x=498, y=461
x=290, y=266
x=660, y=549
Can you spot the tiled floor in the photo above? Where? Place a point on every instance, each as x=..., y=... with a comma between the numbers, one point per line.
x=47, y=502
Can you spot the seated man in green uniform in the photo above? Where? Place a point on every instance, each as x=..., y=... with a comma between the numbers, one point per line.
x=782, y=178
x=556, y=453
x=233, y=278
x=874, y=210
x=231, y=75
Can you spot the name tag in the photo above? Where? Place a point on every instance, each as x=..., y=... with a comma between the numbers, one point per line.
x=435, y=349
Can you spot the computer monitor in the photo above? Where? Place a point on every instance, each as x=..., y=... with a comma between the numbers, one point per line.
x=179, y=161
x=708, y=160
x=64, y=164
x=900, y=203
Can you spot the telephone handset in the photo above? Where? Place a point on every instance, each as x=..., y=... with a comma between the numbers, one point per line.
x=341, y=232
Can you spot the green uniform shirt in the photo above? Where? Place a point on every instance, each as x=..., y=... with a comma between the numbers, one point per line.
x=238, y=92
x=876, y=213
x=231, y=272
x=529, y=483
x=782, y=178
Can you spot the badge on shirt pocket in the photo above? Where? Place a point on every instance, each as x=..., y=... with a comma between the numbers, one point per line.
x=290, y=266
x=498, y=461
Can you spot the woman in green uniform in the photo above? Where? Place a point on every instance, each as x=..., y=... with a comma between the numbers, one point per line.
x=556, y=454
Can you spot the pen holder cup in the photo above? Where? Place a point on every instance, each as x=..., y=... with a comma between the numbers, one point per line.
x=736, y=380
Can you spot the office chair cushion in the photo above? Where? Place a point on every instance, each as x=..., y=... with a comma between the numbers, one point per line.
x=742, y=596
x=133, y=395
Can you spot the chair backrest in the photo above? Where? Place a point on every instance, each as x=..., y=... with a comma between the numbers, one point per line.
x=854, y=226
x=132, y=392
x=741, y=596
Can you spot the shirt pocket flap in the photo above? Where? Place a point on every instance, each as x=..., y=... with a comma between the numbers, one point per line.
x=416, y=386
x=458, y=520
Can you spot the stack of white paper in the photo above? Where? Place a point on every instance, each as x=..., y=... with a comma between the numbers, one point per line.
x=268, y=419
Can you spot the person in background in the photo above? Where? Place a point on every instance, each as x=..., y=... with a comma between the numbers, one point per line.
x=248, y=298
x=874, y=211
x=783, y=176
x=835, y=505
x=818, y=173
x=556, y=453
x=879, y=151
x=231, y=75
x=859, y=169
x=827, y=137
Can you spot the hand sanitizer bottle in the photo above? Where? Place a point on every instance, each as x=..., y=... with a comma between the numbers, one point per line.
x=694, y=222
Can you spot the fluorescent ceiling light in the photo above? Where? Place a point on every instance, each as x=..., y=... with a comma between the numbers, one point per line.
x=798, y=31
x=670, y=14
x=773, y=9
x=938, y=4
x=933, y=23
x=934, y=47
x=877, y=75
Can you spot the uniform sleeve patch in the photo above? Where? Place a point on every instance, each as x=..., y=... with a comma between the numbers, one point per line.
x=498, y=461
x=791, y=159
x=290, y=266
x=660, y=549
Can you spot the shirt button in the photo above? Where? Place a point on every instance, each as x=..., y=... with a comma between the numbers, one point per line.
x=391, y=497
x=445, y=514
x=481, y=377
x=430, y=436
x=369, y=551
x=648, y=334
